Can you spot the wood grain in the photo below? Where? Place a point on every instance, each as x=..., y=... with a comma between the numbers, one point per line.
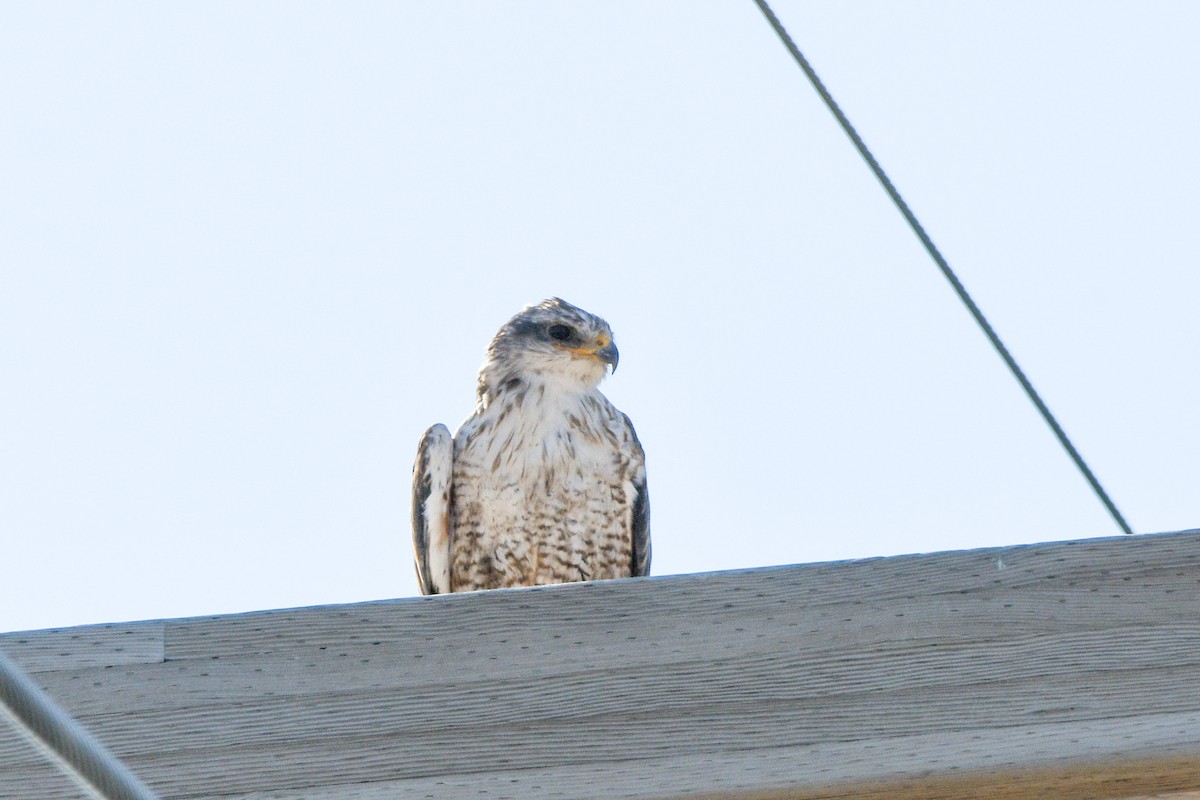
x=817, y=680
x=40, y=779
x=86, y=646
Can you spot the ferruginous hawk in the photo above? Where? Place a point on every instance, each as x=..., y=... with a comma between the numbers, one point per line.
x=546, y=481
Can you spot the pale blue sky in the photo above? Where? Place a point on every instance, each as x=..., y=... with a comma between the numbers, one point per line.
x=251, y=251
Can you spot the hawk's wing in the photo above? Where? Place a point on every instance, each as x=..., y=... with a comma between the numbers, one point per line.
x=432, y=475
x=640, y=518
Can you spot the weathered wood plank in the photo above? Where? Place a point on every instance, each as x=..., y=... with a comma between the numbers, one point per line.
x=1047, y=762
x=259, y=745
x=40, y=779
x=888, y=665
x=738, y=774
x=86, y=646
x=801, y=678
x=1044, y=575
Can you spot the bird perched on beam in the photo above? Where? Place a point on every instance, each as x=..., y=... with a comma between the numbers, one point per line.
x=546, y=481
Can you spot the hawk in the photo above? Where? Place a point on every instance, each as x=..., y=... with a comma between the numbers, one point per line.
x=546, y=481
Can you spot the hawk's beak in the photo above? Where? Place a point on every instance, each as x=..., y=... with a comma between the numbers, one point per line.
x=609, y=355
x=603, y=349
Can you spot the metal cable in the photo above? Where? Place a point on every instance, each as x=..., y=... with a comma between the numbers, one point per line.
x=936, y=255
x=64, y=741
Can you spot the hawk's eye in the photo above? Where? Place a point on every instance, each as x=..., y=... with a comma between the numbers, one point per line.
x=559, y=332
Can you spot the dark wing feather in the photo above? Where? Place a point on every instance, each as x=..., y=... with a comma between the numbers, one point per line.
x=432, y=475
x=640, y=519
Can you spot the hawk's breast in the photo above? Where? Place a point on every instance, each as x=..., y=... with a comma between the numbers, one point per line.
x=541, y=493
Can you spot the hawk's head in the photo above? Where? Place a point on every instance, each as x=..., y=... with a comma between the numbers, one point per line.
x=552, y=343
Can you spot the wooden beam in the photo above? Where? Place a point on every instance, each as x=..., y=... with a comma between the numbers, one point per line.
x=1050, y=671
